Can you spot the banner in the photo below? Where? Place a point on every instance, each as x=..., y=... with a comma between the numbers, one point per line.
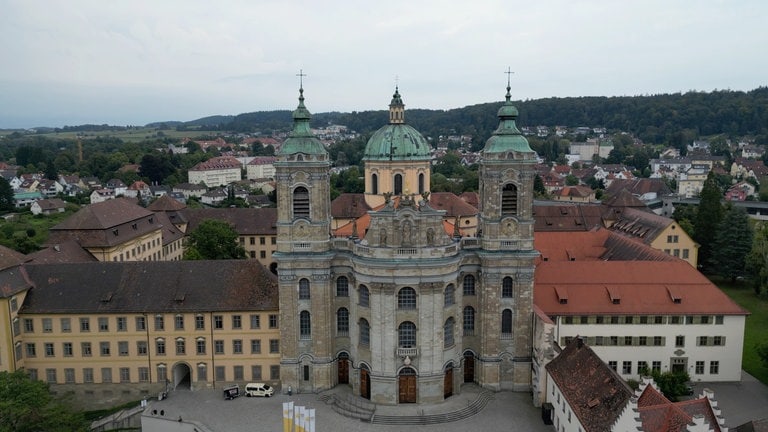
x=287, y=416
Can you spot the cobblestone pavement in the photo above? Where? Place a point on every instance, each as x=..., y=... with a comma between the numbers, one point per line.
x=506, y=412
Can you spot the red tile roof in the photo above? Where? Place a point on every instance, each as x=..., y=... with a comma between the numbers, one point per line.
x=658, y=414
x=349, y=205
x=451, y=203
x=641, y=287
x=595, y=393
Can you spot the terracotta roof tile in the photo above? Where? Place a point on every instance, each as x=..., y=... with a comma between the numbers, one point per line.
x=246, y=221
x=451, y=203
x=556, y=216
x=595, y=393
x=641, y=286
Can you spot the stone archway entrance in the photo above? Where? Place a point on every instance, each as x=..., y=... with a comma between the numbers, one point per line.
x=365, y=382
x=448, y=381
x=182, y=377
x=407, y=385
x=343, y=366
x=469, y=367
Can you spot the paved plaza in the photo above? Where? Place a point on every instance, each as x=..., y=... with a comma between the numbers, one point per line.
x=507, y=411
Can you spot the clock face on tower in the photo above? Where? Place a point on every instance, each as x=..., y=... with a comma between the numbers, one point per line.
x=509, y=226
x=301, y=230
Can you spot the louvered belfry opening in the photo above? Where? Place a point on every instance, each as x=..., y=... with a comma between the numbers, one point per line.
x=300, y=202
x=509, y=200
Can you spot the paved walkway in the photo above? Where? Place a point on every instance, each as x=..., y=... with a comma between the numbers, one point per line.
x=506, y=412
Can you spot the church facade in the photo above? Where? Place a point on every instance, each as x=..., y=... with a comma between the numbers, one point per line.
x=406, y=310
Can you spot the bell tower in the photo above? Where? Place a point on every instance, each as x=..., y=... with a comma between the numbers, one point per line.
x=506, y=254
x=302, y=174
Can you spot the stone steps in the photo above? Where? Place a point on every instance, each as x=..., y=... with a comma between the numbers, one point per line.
x=363, y=410
x=413, y=420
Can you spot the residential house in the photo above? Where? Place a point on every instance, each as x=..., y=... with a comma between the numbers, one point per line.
x=23, y=198
x=583, y=194
x=214, y=196
x=190, y=190
x=101, y=195
x=692, y=181
x=261, y=167
x=117, y=186
x=218, y=171
x=139, y=189
x=48, y=206
x=740, y=192
x=743, y=168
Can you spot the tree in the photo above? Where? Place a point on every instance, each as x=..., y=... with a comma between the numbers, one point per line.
x=762, y=352
x=571, y=180
x=213, y=240
x=6, y=196
x=733, y=242
x=757, y=260
x=27, y=405
x=708, y=218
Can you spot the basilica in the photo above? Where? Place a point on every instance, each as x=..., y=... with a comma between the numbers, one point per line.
x=402, y=306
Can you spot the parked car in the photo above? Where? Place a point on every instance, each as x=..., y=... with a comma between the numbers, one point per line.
x=259, y=389
x=231, y=392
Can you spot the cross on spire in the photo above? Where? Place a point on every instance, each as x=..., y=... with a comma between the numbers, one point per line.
x=301, y=76
x=509, y=74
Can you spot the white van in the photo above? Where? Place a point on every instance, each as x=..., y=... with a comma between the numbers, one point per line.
x=259, y=389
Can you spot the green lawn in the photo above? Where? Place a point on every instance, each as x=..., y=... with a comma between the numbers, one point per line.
x=756, y=330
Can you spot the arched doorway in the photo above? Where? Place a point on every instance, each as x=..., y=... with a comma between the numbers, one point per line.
x=182, y=377
x=469, y=366
x=448, y=381
x=365, y=382
x=343, y=367
x=407, y=385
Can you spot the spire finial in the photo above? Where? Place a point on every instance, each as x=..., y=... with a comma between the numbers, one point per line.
x=509, y=75
x=301, y=76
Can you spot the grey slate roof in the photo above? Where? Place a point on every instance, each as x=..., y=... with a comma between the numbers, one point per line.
x=13, y=279
x=151, y=287
x=246, y=221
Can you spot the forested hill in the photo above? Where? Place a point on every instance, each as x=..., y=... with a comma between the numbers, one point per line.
x=662, y=118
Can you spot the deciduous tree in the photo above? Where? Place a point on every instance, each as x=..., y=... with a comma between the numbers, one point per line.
x=213, y=240
x=27, y=405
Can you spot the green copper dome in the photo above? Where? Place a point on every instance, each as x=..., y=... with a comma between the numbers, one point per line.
x=397, y=140
x=507, y=137
x=301, y=140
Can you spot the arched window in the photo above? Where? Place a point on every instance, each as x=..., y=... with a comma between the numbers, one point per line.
x=449, y=296
x=469, y=321
x=448, y=339
x=374, y=184
x=509, y=200
x=398, y=184
x=364, y=296
x=469, y=285
x=365, y=332
x=406, y=298
x=304, y=289
x=342, y=287
x=506, y=287
x=506, y=323
x=301, y=202
x=421, y=183
x=305, y=325
x=342, y=322
x=406, y=335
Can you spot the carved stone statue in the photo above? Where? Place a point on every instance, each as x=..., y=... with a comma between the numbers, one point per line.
x=383, y=237
x=430, y=237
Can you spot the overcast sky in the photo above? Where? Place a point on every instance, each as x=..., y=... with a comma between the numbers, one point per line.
x=133, y=62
